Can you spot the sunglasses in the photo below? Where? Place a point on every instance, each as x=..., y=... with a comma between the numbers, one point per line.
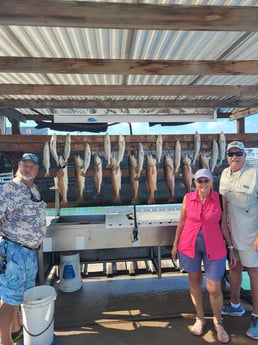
x=235, y=153
x=203, y=181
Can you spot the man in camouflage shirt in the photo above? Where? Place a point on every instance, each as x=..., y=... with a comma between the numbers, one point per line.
x=22, y=228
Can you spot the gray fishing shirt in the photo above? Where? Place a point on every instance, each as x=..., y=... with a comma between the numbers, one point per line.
x=240, y=190
x=22, y=218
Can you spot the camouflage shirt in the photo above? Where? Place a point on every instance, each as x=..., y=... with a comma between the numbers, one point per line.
x=22, y=216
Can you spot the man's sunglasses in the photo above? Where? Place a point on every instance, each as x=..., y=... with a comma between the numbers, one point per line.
x=237, y=153
x=203, y=181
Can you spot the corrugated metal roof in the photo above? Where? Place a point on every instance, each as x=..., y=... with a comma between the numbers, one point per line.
x=89, y=43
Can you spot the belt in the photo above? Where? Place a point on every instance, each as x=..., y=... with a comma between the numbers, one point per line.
x=17, y=243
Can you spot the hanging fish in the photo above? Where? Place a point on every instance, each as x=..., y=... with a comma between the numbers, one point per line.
x=46, y=158
x=107, y=149
x=53, y=148
x=169, y=174
x=159, y=144
x=134, y=181
x=187, y=173
x=140, y=159
x=116, y=179
x=87, y=158
x=97, y=167
x=177, y=158
x=121, y=149
x=197, y=146
x=203, y=161
x=222, y=147
x=62, y=181
x=67, y=148
x=151, y=181
x=80, y=179
x=214, y=155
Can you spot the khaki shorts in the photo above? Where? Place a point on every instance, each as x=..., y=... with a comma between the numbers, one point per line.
x=248, y=258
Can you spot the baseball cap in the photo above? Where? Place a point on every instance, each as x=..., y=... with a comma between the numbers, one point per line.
x=203, y=173
x=237, y=145
x=30, y=157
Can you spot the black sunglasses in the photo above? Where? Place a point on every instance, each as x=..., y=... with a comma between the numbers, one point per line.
x=203, y=181
x=235, y=153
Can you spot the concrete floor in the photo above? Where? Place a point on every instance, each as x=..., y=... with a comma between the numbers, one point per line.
x=140, y=310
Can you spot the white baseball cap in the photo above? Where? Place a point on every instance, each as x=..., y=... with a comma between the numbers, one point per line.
x=203, y=173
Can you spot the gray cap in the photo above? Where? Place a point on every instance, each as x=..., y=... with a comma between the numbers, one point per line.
x=237, y=145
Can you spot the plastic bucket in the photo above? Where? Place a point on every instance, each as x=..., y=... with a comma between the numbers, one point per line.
x=38, y=315
x=70, y=272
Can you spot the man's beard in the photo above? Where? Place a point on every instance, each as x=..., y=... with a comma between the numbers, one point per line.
x=27, y=178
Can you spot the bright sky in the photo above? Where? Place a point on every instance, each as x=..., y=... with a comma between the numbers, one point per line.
x=225, y=125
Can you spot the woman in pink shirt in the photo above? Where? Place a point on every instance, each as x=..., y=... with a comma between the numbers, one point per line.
x=202, y=236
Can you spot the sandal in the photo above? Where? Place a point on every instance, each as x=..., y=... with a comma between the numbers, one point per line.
x=198, y=326
x=17, y=335
x=222, y=335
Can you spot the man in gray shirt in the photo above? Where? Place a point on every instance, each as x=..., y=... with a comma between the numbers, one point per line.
x=239, y=185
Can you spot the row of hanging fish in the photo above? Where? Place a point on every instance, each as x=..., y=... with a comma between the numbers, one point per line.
x=173, y=165
x=81, y=166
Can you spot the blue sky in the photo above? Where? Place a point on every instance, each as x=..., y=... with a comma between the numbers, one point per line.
x=213, y=127
x=251, y=126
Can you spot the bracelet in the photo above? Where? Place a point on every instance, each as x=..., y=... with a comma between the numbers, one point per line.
x=230, y=247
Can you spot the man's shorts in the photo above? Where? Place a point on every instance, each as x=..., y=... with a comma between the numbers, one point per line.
x=20, y=273
x=248, y=258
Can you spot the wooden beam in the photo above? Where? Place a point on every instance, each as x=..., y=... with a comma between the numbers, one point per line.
x=124, y=103
x=13, y=143
x=127, y=66
x=129, y=90
x=128, y=15
x=241, y=113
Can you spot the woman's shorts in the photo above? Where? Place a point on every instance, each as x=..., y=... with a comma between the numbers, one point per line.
x=214, y=269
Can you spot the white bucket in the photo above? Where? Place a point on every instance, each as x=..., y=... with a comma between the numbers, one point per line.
x=38, y=315
x=70, y=272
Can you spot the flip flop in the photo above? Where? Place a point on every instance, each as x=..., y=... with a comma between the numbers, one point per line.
x=198, y=327
x=17, y=335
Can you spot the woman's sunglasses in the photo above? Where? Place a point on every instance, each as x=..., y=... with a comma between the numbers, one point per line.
x=237, y=153
x=203, y=181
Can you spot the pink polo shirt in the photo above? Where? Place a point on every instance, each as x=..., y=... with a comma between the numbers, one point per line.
x=206, y=217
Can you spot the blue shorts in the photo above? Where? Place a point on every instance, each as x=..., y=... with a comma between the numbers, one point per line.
x=20, y=273
x=214, y=269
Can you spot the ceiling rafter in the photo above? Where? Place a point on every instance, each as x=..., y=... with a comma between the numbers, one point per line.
x=197, y=71
x=128, y=90
x=125, y=103
x=128, y=15
x=127, y=66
